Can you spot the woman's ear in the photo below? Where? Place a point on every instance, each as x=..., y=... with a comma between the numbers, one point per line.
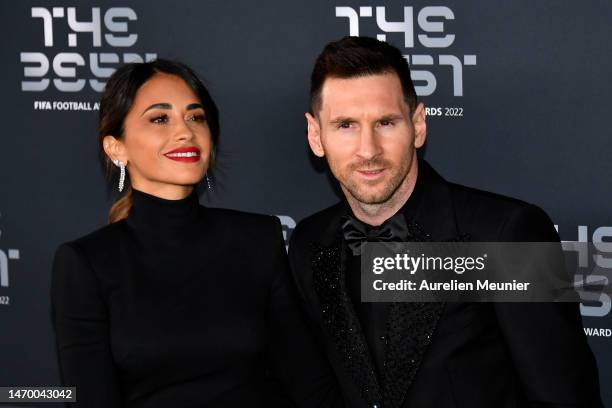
x=114, y=149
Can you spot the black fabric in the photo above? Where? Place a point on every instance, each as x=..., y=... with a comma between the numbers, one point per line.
x=184, y=306
x=476, y=355
x=342, y=324
x=373, y=316
x=356, y=232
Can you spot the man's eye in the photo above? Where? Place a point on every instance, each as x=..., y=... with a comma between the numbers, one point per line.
x=160, y=119
x=386, y=123
x=344, y=125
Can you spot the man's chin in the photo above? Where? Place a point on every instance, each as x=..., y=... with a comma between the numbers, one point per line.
x=371, y=198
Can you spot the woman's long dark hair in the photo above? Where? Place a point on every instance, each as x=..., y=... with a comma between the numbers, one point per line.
x=117, y=101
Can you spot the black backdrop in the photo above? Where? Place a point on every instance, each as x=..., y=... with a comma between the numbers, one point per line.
x=522, y=89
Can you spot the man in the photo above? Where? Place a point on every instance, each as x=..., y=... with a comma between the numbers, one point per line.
x=365, y=120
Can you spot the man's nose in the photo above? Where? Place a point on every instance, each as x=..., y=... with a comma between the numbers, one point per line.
x=369, y=145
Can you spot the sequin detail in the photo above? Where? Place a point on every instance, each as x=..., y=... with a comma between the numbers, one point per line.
x=410, y=326
x=341, y=322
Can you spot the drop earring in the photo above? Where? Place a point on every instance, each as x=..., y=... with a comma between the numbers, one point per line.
x=121, y=166
x=208, y=183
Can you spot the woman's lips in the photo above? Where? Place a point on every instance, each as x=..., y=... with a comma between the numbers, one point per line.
x=184, y=154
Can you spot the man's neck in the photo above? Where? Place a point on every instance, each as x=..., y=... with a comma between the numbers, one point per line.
x=376, y=214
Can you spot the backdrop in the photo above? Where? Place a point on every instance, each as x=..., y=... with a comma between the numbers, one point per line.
x=517, y=95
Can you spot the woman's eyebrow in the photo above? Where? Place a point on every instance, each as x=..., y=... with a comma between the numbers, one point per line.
x=194, y=106
x=162, y=105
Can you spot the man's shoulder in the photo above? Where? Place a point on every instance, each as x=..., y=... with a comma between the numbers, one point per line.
x=312, y=227
x=469, y=197
x=322, y=217
x=498, y=216
x=484, y=207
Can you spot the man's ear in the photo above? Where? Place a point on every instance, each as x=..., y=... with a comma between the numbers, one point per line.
x=314, y=135
x=420, y=125
x=114, y=149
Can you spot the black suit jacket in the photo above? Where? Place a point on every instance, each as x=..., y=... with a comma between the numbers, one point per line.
x=468, y=355
x=184, y=306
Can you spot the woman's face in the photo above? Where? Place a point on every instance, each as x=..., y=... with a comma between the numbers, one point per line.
x=167, y=142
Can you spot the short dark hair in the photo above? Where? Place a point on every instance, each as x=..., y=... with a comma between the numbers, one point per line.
x=352, y=57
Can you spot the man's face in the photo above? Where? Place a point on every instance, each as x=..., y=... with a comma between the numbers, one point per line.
x=367, y=133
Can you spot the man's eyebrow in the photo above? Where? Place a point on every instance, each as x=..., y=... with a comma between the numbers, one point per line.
x=162, y=105
x=390, y=117
x=341, y=119
x=386, y=117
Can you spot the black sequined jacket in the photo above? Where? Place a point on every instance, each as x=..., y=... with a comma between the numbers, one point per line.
x=476, y=355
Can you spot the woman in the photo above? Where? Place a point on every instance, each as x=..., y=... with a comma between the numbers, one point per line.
x=173, y=304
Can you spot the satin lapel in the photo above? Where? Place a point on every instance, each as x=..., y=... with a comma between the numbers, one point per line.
x=340, y=321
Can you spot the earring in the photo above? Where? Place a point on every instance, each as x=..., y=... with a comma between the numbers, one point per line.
x=208, y=183
x=121, y=166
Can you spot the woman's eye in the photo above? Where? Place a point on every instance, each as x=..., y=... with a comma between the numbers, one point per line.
x=159, y=119
x=198, y=118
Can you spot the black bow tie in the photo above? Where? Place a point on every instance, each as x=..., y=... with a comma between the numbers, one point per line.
x=356, y=232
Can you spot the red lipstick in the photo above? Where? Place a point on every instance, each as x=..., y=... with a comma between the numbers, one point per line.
x=184, y=154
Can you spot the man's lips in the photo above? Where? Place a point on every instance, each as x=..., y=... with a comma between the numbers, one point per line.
x=184, y=154
x=371, y=174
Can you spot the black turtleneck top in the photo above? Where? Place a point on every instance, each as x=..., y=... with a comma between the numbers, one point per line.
x=184, y=306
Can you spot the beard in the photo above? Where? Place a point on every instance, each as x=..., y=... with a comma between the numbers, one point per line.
x=375, y=191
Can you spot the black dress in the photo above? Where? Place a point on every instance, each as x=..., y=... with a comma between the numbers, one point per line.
x=184, y=306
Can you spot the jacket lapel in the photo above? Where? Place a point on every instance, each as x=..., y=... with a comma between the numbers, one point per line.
x=338, y=315
x=411, y=326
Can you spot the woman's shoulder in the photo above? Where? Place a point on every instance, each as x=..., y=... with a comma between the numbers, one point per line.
x=79, y=263
x=240, y=217
x=95, y=241
x=245, y=222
